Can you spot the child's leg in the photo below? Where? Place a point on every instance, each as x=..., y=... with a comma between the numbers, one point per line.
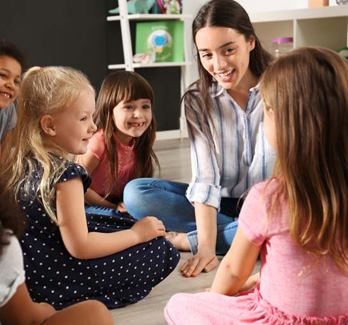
x=84, y=313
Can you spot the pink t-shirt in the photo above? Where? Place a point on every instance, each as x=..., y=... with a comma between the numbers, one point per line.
x=286, y=281
x=126, y=164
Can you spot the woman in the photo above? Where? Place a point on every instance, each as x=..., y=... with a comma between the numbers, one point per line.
x=229, y=152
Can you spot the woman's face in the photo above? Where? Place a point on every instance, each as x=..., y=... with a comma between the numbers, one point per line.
x=225, y=54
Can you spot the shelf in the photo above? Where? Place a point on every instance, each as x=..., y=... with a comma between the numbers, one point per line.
x=150, y=17
x=150, y=65
x=124, y=19
x=298, y=14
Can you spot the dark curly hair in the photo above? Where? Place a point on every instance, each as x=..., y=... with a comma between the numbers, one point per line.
x=11, y=217
x=9, y=48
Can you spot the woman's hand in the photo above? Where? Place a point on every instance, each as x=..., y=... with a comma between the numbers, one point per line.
x=149, y=228
x=205, y=260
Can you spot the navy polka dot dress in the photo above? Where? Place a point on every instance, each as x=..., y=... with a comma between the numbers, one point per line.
x=54, y=276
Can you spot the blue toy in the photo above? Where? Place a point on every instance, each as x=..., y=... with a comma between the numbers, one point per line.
x=136, y=7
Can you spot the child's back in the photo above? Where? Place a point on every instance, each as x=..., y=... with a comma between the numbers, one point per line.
x=53, y=275
x=292, y=280
x=297, y=220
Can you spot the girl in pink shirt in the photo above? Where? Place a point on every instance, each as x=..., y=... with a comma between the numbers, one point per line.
x=298, y=220
x=121, y=149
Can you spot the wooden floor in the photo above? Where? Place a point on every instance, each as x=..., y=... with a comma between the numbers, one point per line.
x=174, y=157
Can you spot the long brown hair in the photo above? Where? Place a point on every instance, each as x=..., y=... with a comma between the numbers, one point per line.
x=229, y=14
x=126, y=86
x=308, y=92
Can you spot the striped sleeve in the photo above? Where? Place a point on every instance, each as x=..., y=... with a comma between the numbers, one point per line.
x=205, y=183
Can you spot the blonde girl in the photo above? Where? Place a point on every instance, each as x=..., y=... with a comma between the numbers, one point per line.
x=121, y=149
x=70, y=256
x=299, y=219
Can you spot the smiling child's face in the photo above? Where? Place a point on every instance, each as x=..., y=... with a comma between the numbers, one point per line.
x=10, y=79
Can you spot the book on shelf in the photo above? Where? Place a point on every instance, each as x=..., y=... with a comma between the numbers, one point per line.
x=163, y=38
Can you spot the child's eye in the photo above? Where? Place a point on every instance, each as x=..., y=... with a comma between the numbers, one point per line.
x=146, y=106
x=2, y=75
x=128, y=107
x=17, y=82
x=83, y=119
x=229, y=51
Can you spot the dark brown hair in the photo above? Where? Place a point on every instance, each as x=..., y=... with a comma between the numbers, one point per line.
x=308, y=93
x=11, y=217
x=229, y=14
x=10, y=49
x=126, y=86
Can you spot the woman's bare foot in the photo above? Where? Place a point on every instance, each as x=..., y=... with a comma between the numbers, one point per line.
x=179, y=240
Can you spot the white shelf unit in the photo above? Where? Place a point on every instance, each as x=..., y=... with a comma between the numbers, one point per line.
x=124, y=18
x=326, y=26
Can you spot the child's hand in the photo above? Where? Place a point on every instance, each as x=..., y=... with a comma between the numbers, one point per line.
x=149, y=228
x=121, y=207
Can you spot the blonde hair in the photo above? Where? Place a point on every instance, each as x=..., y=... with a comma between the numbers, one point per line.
x=44, y=91
x=308, y=92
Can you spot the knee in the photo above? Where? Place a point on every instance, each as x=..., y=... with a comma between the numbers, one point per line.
x=96, y=313
x=134, y=192
x=101, y=313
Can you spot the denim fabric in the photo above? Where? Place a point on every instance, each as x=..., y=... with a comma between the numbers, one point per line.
x=166, y=200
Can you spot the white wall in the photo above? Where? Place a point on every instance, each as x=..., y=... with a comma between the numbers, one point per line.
x=251, y=6
x=273, y=5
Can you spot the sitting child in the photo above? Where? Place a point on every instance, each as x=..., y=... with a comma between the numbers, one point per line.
x=12, y=64
x=68, y=256
x=121, y=149
x=299, y=218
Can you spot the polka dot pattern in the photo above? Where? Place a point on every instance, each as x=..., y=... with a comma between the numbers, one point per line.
x=117, y=280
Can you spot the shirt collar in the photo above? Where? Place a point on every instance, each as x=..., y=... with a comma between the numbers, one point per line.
x=217, y=90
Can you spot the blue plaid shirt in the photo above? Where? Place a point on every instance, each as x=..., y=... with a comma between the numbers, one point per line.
x=242, y=155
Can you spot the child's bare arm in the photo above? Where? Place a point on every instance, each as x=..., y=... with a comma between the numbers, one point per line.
x=21, y=310
x=90, y=162
x=93, y=198
x=86, y=245
x=237, y=266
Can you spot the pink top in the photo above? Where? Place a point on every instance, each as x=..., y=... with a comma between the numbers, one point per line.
x=126, y=165
x=286, y=281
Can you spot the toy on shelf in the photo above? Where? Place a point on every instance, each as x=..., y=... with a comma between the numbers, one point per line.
x=172, y=6
x=136, y=7
x=168, y=7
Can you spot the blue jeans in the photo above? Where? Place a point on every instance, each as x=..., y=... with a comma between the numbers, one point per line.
x=166, y=200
